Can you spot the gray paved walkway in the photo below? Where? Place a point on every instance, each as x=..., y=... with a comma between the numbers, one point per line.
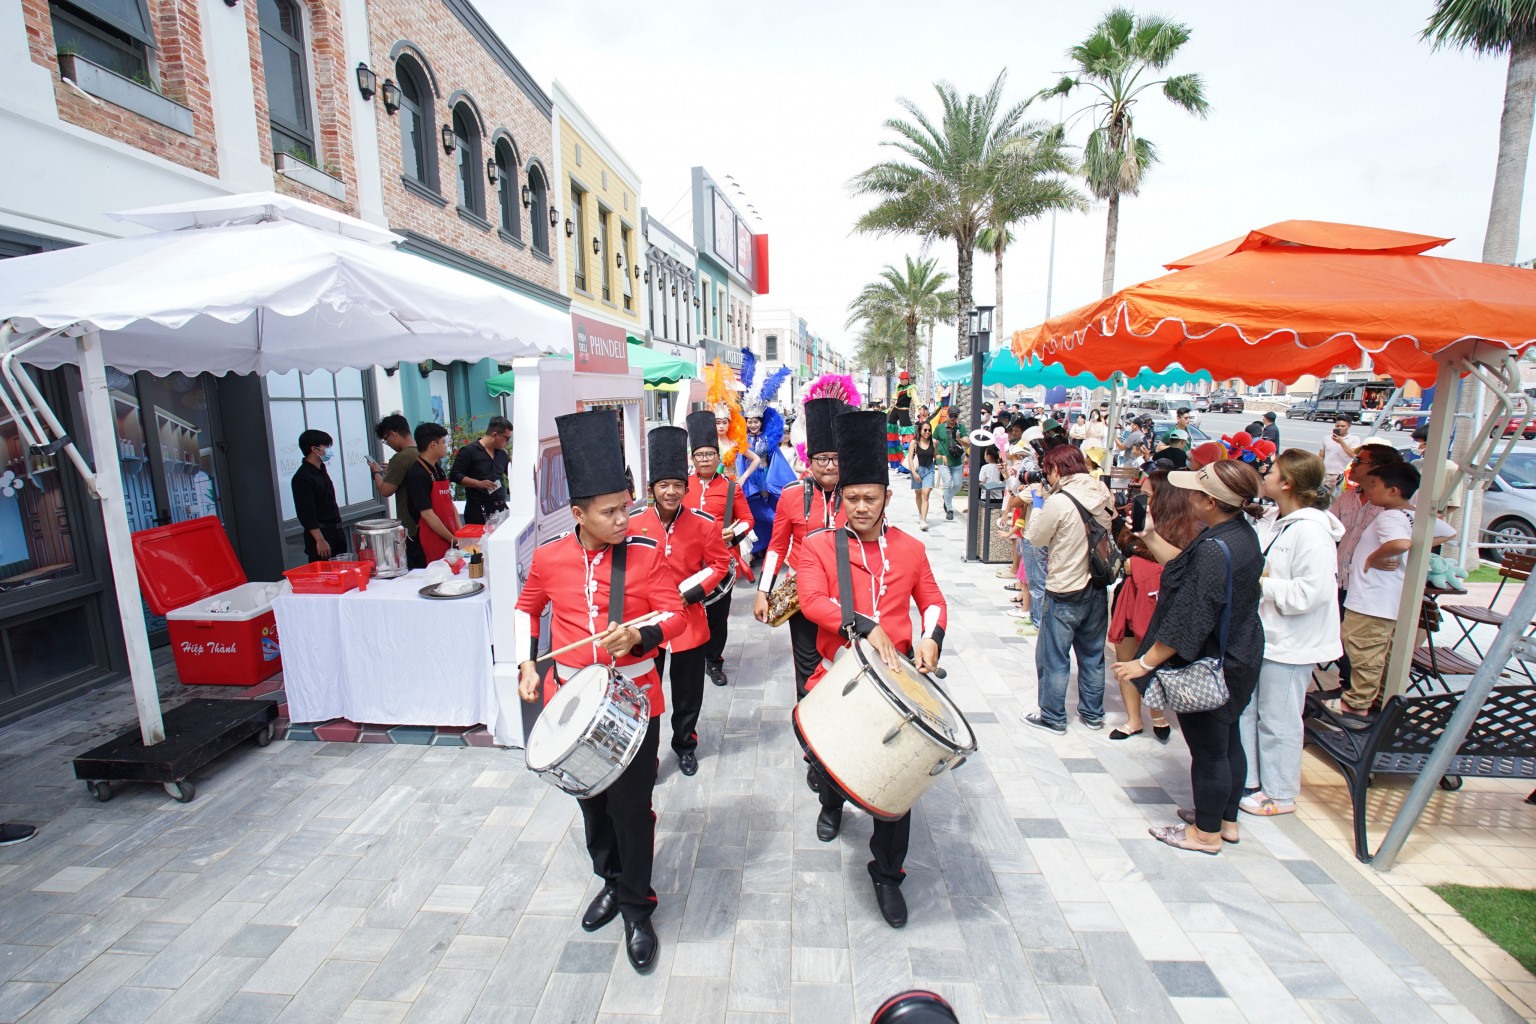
x=318, y=882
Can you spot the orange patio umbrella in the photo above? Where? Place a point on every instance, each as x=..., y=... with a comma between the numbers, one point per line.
x=1296, y=298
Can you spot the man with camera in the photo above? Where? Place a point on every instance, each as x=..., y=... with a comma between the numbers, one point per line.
x=1075, y=613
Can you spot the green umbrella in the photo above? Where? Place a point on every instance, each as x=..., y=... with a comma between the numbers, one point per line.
x=656, y=368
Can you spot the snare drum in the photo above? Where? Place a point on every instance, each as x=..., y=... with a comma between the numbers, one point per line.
x=589, y=733
x=881, y=737
x=722, y=588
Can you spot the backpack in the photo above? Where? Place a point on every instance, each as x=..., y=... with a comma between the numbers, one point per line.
x=1104, y=558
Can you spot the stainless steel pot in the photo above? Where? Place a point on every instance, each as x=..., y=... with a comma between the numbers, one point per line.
x=381, y=542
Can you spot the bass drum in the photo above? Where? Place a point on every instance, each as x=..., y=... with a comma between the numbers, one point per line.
x=881, y=737
x=589, y=732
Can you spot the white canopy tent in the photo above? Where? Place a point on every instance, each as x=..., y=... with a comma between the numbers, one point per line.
x=256, y=283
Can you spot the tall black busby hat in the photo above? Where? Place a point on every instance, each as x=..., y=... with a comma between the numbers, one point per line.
x=701, y=431
x=819, y=414
x=594, y=455
x=861, y=449
x=667, y=453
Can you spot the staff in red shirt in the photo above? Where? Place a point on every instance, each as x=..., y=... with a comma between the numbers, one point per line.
x=804, y=508
x=695, y=554
x=890, y=572
x=594, y=578
x=712, y=491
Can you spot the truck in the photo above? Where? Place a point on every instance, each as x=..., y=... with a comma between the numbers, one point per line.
x=1355, y=400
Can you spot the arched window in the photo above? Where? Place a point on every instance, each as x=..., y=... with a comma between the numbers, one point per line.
x=470, y=167
x=507, y=191
x=417, y=157
x=538, y=217
x=284, y=62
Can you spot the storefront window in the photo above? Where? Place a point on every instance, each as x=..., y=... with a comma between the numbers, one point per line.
x=36, y=542
x=336, y=403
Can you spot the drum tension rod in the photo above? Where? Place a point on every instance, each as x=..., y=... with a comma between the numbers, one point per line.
x=848, y=686
x=896, y=729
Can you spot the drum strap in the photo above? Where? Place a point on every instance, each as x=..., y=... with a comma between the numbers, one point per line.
x=845, y=584
x=616, y=585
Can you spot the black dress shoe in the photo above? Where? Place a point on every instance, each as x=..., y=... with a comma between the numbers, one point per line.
x=603, y=908
x=641, y=944
x=813, y=779
x=893, y=905
x=716, y=670
x=829, y=823
x=687, y=763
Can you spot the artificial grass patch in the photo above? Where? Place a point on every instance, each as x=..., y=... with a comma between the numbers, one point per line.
x=1507, y=916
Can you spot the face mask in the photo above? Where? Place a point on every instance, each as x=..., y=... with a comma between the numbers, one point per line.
x=325, y=456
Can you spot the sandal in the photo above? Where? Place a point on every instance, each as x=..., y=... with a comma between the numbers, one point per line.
x=1121, y=734
x=1013, y=586
x=1177, y=836
x=1162, y=731
x=1337, y=710
x=1187, y=816
x=1007, y=574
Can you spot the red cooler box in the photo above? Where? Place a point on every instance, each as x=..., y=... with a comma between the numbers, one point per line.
x=188, y=573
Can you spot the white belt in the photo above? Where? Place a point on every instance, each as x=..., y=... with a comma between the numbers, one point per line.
x=566, y=673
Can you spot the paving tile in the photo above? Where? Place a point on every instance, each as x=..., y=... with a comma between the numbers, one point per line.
x=1187, y=979
x=128, y=1006
x=251, y=1008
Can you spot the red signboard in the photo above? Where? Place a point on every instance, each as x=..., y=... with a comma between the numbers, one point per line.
x=600, y=347
x=760, y=264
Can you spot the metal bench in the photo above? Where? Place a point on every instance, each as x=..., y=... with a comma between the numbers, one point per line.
x=1500, y=745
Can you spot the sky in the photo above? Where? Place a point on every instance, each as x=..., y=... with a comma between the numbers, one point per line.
x=1320, y=110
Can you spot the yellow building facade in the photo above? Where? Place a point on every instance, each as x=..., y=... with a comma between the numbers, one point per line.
x=601, y=264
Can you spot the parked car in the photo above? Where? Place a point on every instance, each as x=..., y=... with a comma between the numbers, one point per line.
x=1226, y=401
x=1202, y=403
x=1302, y=410
x=1527, y=428
x=1509, y=508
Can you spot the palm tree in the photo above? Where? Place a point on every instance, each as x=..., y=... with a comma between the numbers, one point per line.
x=941, y=189
x=1027, y=182
x=905, y=297
x=1111, y=64
x=1499, y=26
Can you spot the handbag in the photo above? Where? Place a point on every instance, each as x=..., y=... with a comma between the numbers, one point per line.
x=1202, y=684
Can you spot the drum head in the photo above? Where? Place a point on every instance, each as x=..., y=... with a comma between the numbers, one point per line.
x=565, y=718
x=913, y=692
x=916, y=1007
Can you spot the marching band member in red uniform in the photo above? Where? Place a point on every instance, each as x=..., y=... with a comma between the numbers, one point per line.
x=710, y=490
x=889, y=572
x=804, y=507
x=594, y=578
x=692, y=547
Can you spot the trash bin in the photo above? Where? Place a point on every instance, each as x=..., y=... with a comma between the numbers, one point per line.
x=993, y=545
x=222, y=629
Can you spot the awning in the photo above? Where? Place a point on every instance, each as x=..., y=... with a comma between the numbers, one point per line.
x=657, y=369
x=1004, y=369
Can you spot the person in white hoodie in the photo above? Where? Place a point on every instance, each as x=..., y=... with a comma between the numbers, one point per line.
x=1300, y=613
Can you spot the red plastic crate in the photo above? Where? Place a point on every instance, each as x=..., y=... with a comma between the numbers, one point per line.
x=329, y=577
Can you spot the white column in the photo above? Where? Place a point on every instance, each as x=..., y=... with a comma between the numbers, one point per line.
x=114, y=514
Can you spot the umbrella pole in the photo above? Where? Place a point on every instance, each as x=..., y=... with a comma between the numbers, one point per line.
x=114, y=515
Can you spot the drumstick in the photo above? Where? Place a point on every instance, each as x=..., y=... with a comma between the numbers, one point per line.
x=636, y=623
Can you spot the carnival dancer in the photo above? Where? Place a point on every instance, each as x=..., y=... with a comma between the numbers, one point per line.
x=712, y=491
x=889, y=572
x=899, y=428
x=737, y=460
x=594, y=577
x=804, y=507
x=694, y=551
x=765, y=429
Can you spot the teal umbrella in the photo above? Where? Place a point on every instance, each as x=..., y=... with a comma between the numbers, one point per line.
x=655, y=367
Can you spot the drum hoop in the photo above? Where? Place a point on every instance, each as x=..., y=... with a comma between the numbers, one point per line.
x=866, y=667
x=568, y=751
x=831, y=778
x=722, y=588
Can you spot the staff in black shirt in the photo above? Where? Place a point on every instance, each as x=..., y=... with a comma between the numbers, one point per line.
x=480, y=468
x=432, y=443
x=314, y=498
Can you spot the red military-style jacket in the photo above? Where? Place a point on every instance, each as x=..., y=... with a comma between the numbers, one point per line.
x=691, y=544
x=561, y=572
x=711, y=499
x=903, y=571
x=791, y=525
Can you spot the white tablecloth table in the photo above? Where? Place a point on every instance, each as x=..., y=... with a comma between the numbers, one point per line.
x=387, y=656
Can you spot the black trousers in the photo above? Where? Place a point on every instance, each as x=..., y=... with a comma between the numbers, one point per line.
x=719, y=615
x=888, y=845
x=1217, y=767
x=479, y=512
x=334, y=535
x=621, y=831
x=802, y=637
x=687, y=695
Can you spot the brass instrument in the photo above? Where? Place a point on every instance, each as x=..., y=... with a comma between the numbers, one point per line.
x=783, y=600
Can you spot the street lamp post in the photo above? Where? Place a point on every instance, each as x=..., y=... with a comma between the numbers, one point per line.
x=979, y=323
